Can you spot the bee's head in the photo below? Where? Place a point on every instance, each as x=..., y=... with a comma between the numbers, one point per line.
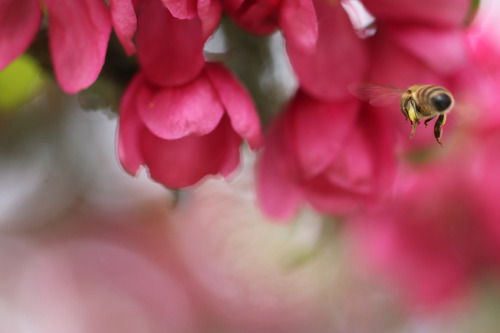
x=441, y=102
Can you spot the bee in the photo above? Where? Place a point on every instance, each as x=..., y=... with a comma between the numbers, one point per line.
x=418, y=102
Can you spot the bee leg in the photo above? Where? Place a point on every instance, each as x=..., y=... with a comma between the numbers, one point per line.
x=427, y=120
x=413, y=129
x=438, y=131
x=404, y=108
x=410, y=107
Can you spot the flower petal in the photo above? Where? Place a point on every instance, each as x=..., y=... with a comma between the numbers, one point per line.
x=169, y=50
x=19, y=22
x=183, y=162
x=320, y=130
x=438, y=13
x=330, y=199
x=79, y=33
x=124, y=23
x=237, y=103
x=277, y=194
x=233, y=5
x=258, y=17
x=181, y=9
x=392, y=65
x=129, y=128
x=210, y=13
x=340, y=57
x=299, y=23
x=173, y=113
x=442, y=49
x=363, y=172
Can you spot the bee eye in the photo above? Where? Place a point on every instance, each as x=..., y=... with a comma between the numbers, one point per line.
x=441, y=102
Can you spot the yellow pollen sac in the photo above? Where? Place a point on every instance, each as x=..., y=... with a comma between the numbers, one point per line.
x=412, y=113
x=444, y=120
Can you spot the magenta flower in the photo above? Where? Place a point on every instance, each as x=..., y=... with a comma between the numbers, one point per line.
x=179, y=58
x=441, y=232
x=436, y=13
x=426, y=46
x=478, y=83
x=78, y=35
x=338, y=59
x=325, y=153
x=207, y=11
x=183, y=133
x=123, y=17
x=63, y=268
x=296, y=19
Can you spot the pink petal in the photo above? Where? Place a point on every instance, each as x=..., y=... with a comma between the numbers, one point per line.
x=438, y=13
x=320, y=130
x=277, y=194
x=210, y=13
x=392, y=65
x=237, y=103
x=259, y=17
x=330, y=199
x=170, y=51
x=129, y=128
x=299, y=23
x=233, y=5
x=375, y=125
x=181, y=9
x=353, y=169
x=340, y=57
x=124, y=23
x=183, y=162
x=363, y=172
x=173, y=113
x=442, y=49
x=79, y=33
x=19, y=22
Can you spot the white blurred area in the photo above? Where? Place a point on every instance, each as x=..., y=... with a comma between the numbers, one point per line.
x=75, y=168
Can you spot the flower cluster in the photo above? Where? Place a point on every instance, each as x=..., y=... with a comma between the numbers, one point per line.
x=183, y=117
x=439, y=234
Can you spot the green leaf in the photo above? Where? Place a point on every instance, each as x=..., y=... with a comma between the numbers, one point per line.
x=22, y=80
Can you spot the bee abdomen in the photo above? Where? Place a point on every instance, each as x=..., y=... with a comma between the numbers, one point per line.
x=433, y=98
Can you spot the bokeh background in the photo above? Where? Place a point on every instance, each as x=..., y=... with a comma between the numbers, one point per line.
x=85, y=247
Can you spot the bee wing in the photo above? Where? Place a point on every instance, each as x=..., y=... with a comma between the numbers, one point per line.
x=374, y=94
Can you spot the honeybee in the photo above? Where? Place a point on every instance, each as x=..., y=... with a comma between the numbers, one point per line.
x=418, y=102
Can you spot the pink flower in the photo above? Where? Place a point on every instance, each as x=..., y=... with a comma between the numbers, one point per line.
x=78, y=36
x=170, y=50
x=436, y=13
x=326, y=153
x=296, y=19
x=124, y=21
x=186, y=132
x=441, y=233
x=338, y=59
x=208, y=11
x=430, y=34
x=424, y=47
x=79, y=278
x=428, y=46
x=478, y=83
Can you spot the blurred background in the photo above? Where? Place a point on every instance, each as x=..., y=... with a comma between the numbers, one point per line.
x=85, y=247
